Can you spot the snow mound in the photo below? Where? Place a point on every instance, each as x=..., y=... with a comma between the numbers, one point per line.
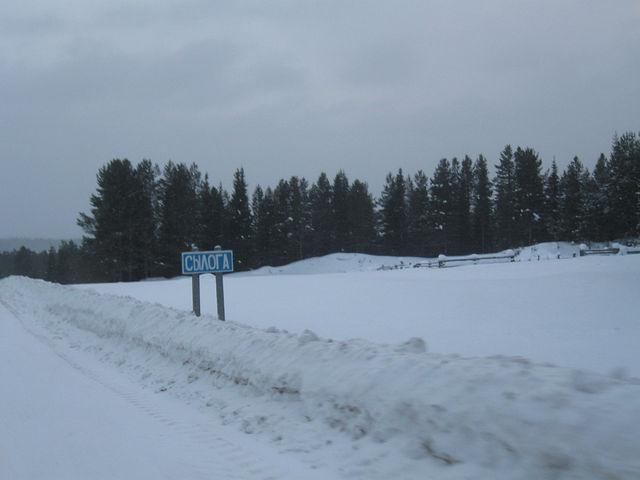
x=499, y=417
x=336, y=263
x=360, y=262
x=549, y=251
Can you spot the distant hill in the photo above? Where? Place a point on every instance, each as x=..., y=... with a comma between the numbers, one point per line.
x=35, y=244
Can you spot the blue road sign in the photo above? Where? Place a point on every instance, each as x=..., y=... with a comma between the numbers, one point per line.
x=215, y=261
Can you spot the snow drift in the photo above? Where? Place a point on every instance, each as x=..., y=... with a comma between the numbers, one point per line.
x=496, y=417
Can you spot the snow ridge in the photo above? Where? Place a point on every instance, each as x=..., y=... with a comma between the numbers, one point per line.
x=502, y=416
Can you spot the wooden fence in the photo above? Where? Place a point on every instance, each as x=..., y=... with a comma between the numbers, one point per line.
x=443, y=261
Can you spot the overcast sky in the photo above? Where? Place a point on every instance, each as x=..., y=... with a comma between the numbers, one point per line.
x=298, y=87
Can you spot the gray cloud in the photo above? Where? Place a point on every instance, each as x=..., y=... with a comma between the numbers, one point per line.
x=297, y=87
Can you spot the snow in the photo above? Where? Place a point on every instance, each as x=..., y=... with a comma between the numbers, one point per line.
x=65, y=416
x=575, y=312
x=334, y=409
x=370, y=374
x=336, y=263
x=549, y=251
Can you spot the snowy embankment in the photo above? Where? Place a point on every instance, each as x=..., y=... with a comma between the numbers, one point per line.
x=358, y=262
x=337, y=263
x=408, y=412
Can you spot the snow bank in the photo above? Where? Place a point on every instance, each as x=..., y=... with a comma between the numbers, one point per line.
x=336, y=263
x=360, y=262
x=499, y=417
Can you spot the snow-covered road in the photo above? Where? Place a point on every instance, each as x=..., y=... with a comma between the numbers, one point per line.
x=101, y=386
x=65, y=420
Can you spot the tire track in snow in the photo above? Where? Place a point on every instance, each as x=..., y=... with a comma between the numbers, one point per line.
x=213, y=456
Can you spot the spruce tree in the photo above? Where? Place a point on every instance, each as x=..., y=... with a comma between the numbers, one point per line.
x=529, y=196
x=257, y=200
x=283, y=234
x=552, y=203
x=505, y=210
x=340, y=208
x=361, y=218
x=441, y=207
x=624, y=168
x=462, y=185
x=212, y=225
x=51, y=275
x=23, y=262
x=454, y=226
x=178, y=198
x=589, y=229
x=240, y=222
x=394, y=214
x=418, y=223
x=205, y=223
x=299, y=205
x=264, y=227
x=572, y=201
x=145, y=223
x=68, y=268
x=112, y=227
x=482, y=216
x=598, y=208
x=321, y=196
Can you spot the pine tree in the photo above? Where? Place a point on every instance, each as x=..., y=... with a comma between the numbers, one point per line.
x=418, y=224
x=529, y=196
x=283, y=235
x=505, y=211
x=300, y=216
x=68, y=268
x=205, y=223
x=393, y=214
x=240, y=222
x=340, y=209
x=361, y=218
x=454, y=219
x=145, y=222
x=212, y=223
x=441, y=207
x=322, y=215
x=572, y=200
x=598, y=208
x=51, y=275
x=113, y=226
x=23, y=263
x=589, y=229
x=461, y=185
x=482, y=216
x=552, y=203
x=257, y=202
x=624, y=198
x=263, y=207
x=178, y=195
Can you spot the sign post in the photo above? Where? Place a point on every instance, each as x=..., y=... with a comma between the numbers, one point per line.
x=219, y=290
x=195, y=293
x=216, y=262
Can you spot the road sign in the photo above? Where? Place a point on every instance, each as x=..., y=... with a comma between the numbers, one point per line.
x=215, y=261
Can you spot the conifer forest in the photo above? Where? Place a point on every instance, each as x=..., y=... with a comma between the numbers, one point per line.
x=143, y=215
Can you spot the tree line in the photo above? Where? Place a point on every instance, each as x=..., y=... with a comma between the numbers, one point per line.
x=143, y=216
x=68, y=263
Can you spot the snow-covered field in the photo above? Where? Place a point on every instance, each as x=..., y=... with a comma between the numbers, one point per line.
x=525, y=370
x=573, y=312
